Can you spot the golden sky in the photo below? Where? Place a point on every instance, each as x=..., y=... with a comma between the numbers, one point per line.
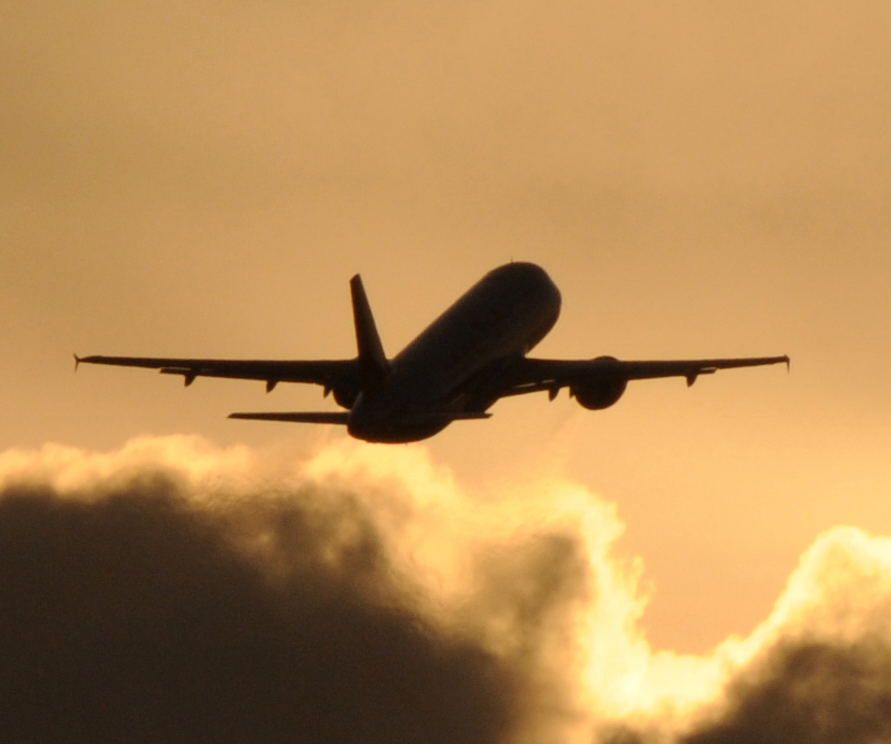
x=699, y=179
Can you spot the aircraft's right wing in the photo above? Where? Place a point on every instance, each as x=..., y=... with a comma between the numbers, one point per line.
x=336, y=374
x=530, y=375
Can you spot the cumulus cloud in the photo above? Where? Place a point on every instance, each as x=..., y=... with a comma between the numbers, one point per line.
x=811, y=691
x=144, y=605
x=820, y=666
x=818, y=669
x=174, y=591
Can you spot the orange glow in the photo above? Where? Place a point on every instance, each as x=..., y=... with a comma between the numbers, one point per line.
x=698, y=180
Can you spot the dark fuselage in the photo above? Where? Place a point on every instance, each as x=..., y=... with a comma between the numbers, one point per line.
x=445, y=369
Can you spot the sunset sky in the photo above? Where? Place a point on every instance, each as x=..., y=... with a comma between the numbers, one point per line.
x=699, y=179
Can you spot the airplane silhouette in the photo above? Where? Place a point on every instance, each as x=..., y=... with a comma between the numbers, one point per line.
x=456, y=369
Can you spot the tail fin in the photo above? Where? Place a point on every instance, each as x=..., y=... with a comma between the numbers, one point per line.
x=373, y=365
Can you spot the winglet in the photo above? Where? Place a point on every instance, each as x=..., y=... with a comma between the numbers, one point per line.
x=373, y=366
x=76, y=362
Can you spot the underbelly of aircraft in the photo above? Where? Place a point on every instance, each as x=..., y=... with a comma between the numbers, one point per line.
x=397, y=430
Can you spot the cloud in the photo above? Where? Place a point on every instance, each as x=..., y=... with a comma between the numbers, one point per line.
x=133, y=610
x=820, y=666
x=175, y=591
x=818, y=669
x=811, y=691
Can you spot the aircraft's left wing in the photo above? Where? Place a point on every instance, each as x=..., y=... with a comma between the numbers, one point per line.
x=530, y=375
x=331, y=373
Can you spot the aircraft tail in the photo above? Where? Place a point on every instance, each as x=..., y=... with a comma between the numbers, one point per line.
x=373, y=365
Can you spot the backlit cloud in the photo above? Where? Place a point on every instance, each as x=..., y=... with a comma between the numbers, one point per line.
x=172, y=590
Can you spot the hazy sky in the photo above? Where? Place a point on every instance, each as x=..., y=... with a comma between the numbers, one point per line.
x=699, y=179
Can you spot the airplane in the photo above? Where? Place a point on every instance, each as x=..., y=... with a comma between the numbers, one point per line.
x=472, y=355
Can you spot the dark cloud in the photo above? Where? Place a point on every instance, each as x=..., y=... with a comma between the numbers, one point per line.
x=135, y=615
x=800, y=691
x=171, y=592
x=811, y=692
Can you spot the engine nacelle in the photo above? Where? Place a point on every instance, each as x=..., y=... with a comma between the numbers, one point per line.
x=600, y=391
x=344, y=396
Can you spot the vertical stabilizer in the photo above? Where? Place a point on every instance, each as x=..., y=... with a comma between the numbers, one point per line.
x=373, y=365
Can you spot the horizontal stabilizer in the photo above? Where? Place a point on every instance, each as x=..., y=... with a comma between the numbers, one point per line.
x=301, y=417
x=430, y=417
x=462, y=416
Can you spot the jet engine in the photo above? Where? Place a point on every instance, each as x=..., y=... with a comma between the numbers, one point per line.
x=600, y=391
x=344, y=396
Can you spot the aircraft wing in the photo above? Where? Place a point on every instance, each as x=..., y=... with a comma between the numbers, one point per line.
x=332, y=374
x=530, y=375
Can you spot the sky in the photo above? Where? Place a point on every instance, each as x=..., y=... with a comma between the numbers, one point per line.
x=699, y=180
